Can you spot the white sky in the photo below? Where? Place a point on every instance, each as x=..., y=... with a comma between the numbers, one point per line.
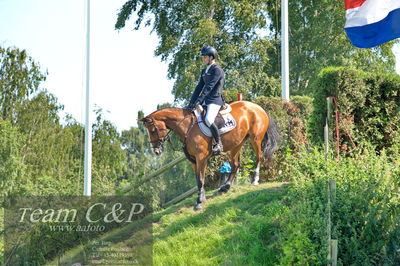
x=125, y=75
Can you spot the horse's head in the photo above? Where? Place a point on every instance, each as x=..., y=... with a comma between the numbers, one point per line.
x=157, y=132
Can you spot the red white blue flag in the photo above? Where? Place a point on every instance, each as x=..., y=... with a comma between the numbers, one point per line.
x=372, y=22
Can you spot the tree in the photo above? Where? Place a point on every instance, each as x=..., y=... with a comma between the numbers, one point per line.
x=232, y=27
x=109, y=161
x=20, y=76
x=247, y=35
x=47, y=147
x=12, y=169
x=317, y=40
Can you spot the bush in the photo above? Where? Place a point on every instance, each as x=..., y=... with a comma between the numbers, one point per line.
x=365, y=215
x=292, y=118
x=369, y=104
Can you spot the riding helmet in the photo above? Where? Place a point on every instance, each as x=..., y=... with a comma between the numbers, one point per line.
x=210, y=51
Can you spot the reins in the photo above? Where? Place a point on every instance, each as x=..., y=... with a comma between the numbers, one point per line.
x=160, y=141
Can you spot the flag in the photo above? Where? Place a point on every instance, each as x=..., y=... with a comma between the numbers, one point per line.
x=372, y=22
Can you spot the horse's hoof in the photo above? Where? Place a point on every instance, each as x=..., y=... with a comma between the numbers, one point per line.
x=218, y=192
x=226, y=187
x=223, y=189
x=197, y=207
x=255, y=183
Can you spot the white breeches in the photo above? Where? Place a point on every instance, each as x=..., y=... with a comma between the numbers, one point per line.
x=212, y=112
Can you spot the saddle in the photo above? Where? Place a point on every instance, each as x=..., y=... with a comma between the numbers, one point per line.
x=224, y=120
x=219, y=119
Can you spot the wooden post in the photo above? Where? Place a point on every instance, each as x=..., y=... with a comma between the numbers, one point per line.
x=154, y=174
x=329, y=227
x=332, y=188
x=329, y=108
x=326, y=138
x=330, y=100
x=334, y=251
x=239, y=96
x=332, y=243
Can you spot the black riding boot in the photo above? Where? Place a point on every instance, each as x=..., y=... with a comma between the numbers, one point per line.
x=217, y=148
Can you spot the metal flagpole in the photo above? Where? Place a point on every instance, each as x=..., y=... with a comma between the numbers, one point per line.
x=88, y=124
x=285, y=49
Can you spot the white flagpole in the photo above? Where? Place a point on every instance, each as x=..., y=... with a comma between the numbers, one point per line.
x=285, y=49
x=88, y=124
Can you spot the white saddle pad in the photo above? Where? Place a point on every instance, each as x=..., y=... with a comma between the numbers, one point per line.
x=230, y=123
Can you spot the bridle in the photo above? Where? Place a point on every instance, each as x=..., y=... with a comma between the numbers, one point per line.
x=158, y=143
x=160, y=140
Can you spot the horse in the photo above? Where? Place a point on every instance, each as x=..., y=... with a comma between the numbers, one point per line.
x=251, y=122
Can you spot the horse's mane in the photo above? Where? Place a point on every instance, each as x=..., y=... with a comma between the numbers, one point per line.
x=169, y=109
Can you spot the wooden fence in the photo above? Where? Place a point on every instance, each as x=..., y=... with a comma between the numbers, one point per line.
x=157, y=173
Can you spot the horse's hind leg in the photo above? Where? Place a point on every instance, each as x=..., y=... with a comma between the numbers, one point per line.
x=235, y=163
x=257, y=146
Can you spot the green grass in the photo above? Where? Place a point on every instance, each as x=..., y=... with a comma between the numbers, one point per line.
x=238, y=228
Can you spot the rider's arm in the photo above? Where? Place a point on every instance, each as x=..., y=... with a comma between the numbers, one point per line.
x=198, y=89
x=216, y=75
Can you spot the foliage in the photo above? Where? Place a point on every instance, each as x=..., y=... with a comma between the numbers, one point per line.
x=232, y=27
x=42, y=156
x=12, y=168
x=20, y=77
x=46, y=148
x=109, y=159
x=317, y=40
x=292, y=119
x=247, y=36
x=369, y=105
x=365, y=212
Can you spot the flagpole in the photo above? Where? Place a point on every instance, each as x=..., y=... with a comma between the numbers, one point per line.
x=88, y=125
x=285, y=49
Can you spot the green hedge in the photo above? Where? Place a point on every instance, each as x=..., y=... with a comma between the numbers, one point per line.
x=369, y=104
x=365, y=215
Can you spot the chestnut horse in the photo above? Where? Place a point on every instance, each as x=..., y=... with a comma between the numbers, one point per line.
x=251, y=122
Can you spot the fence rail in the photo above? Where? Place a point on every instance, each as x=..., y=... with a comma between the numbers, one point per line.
x=183, y=196
x=154, y=174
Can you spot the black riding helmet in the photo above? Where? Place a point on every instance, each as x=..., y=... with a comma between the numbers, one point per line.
x=210, y=51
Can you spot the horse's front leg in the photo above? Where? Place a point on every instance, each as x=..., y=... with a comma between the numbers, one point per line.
x=200, y=177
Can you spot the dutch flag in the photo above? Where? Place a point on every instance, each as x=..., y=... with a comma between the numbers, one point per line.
x=372, y=22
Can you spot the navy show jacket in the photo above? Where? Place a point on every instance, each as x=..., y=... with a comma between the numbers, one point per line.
x=209, y=88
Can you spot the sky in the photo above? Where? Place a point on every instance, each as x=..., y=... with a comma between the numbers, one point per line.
x=125, y=75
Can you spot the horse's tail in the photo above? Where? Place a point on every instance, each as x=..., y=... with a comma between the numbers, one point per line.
x=271, y=139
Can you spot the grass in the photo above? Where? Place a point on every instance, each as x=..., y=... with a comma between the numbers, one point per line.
x=234, y=229
x=237, y=228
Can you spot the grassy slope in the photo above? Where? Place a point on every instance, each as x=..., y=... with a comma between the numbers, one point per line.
x=237, y=228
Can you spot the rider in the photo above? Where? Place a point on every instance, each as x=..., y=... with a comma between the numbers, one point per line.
x=208, y=91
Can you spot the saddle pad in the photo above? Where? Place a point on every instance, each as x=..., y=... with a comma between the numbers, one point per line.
x=230, y=123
